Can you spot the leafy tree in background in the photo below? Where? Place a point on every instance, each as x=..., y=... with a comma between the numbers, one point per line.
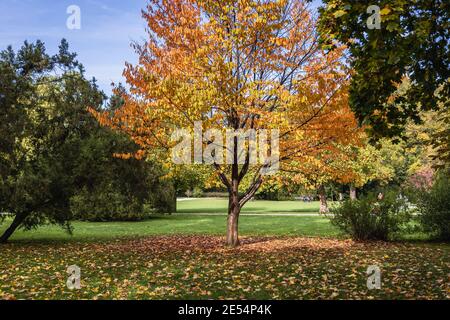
x=371, y=165
x=112, y=189
x=42, y=110
x=413, y=42
x=187, y=179
x=433, y=206
x=319, y=172
x=56, y=162
x=440, y=138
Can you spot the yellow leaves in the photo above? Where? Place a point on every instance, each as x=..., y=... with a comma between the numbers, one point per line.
x=385, y=11
x=304, y=99
x=281, y=42
x=228, y=62
x=339, y=13
x=199, y=267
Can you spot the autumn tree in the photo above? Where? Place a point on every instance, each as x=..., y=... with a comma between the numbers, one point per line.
x=412, y=40
x=317, y=172
x=371, y=164
x=235, y=65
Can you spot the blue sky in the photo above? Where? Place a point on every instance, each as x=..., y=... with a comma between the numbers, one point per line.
x=102, y=44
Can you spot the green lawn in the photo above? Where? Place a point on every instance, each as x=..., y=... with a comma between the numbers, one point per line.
x=258, y=206
x=191, y=219
x=183, y=224
x=183, y=257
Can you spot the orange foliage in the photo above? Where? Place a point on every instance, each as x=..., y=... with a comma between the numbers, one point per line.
x=237, y=64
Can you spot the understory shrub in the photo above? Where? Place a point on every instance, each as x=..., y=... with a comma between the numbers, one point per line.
x=215, y=194
x=274, y=195
x=106, y=205
x=434, y=207
x=370, y=218
x=164, y=199
x=197, y=193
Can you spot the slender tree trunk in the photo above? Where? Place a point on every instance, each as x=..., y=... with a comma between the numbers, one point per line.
x=18, y=219
x=353, y=195
x=323, y=200
x=341, y=196
x=233, y=229
x=234, y=210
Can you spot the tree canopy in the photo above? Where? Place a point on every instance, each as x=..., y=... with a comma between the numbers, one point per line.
x=41, y=98
x=412, y=42
x=56, y=162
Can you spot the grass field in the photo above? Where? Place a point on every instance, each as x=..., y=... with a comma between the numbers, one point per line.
x=183, y=225
x=183, y=257
x=191, y=219
x=258, y=206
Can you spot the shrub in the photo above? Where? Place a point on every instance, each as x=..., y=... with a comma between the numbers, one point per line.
x=197, y=193
x=369, y=218
x=164, y=199
x=434, y=207
x=274, y=195
x=106, y=205
x=215, y=194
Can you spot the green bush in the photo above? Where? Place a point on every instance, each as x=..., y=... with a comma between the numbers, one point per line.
x=369, y=218
x=434, y=207
x=106, y=205
x=215, y=194
x=163, y=198
x=274, y=195
x=197, y=193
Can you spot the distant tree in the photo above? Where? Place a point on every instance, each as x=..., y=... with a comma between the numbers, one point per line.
x=413, y=41
x=43, y=103
x=107, y=188
x=371, y=164
x=434, y=134
x=319, y=172
x=441, y=139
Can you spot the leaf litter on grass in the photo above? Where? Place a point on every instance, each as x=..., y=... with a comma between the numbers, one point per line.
x=201, y=267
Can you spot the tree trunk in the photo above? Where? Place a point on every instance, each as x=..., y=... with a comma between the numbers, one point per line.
x=232, y=229
x=341, y=196
x=353, y=195
x=323, y=200
x=14, y=225
x=234, y=210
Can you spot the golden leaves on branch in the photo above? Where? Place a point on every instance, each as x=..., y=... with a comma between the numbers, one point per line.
x=248, y=64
